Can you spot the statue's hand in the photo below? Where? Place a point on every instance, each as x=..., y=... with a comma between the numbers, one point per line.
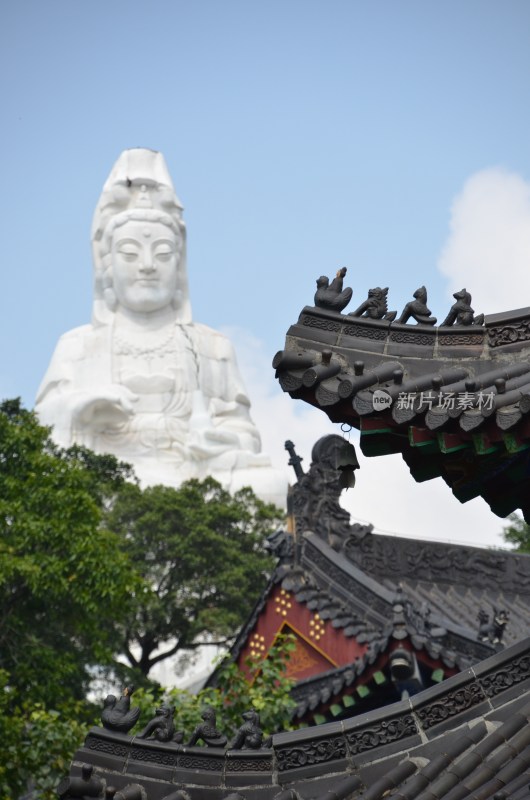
x=220, y=437
x=211, y=442
x=110, y=407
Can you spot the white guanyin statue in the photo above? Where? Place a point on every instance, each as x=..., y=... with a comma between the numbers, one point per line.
x=143, y=381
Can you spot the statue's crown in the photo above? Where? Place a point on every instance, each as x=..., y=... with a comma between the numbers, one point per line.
x=139, y=180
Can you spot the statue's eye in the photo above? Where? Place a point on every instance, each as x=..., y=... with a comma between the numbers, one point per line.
x=128, y=253
x=163, y=255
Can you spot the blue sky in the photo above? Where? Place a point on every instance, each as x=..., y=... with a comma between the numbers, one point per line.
x=390, y=137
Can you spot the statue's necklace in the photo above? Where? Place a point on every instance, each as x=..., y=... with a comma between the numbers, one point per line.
x=150, y=347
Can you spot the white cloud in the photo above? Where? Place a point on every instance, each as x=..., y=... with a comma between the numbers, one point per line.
x=385, y=493
x=488, y=248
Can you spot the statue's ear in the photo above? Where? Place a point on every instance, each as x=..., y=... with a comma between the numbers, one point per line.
x=178, y=298
x=110, y=298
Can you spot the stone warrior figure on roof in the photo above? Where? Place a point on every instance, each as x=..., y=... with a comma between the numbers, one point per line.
x=143, y=381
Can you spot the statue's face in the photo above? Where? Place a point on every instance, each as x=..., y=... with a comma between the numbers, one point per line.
x=145, y=260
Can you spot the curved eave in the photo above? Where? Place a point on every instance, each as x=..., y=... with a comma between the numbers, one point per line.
x=458, y=397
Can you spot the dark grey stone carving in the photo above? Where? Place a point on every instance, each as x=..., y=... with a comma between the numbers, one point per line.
x=153, y=756
x=250, y=736
x=280, y=544
x=162, y=726
x=315, y=751
x=375, y=306
x=117, y=715
x=316, y=494
x=509, y=675
x=290, y=383
x=198, y=762
x=331, y=295
x=88, y=785
x=492, y=631
x=453, y=703
x=359, y=741
x=468, y=650
x=207, y=732
x=461, y=311
x=360, y=332
x=322, y=759
x=460, y=339
x=103, y=746
x=322, y=324
x=509, y=334
x=436, y=562
x=295, y=460
x=180, y=794
x=133, y=791
x=246, y=765
x=417, y=309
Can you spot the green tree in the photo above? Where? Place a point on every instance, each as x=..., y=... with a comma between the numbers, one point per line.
x=264, y=688
x=37, y=744
x=518, y=533
x=63, y=577
x=200, y=553
x=90, y=566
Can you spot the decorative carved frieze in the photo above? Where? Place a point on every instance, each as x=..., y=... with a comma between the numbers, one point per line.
x=321, y=324
x=450, y=704
x=510, y=675
x=362, y=332
x=438, y=562
x=316, y=751
x=199, y=762
x=104, y=746
x=153, y=756
x=412, y=337
x=460, y=339
x=248, y=765
x=509, y=334
x=381, y=733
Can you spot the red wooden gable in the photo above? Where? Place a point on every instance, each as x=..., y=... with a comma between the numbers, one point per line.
x=319, y=646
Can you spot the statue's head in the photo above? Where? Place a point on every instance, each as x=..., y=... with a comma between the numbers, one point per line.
x=251, y=716
x=165, y=710
x=334, y=453
x=464, y=296
x=378, y=293
x=421, y=294
x=139, y=240
x=110, y=700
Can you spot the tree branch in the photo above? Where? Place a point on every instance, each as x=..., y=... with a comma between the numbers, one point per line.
x=166, y=654
x=129, y=656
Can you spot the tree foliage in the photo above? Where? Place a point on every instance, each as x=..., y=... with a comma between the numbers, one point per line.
x=37, y=743
x=91, y=568
x=518, y=533
x=200, y=553
x=265, y=688
x=61, y=573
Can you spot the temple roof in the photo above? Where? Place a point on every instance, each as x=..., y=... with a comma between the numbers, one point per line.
x=386, y=592
x=453, y=400
x=337, y=585
x=406, y=609
x=464, y=739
